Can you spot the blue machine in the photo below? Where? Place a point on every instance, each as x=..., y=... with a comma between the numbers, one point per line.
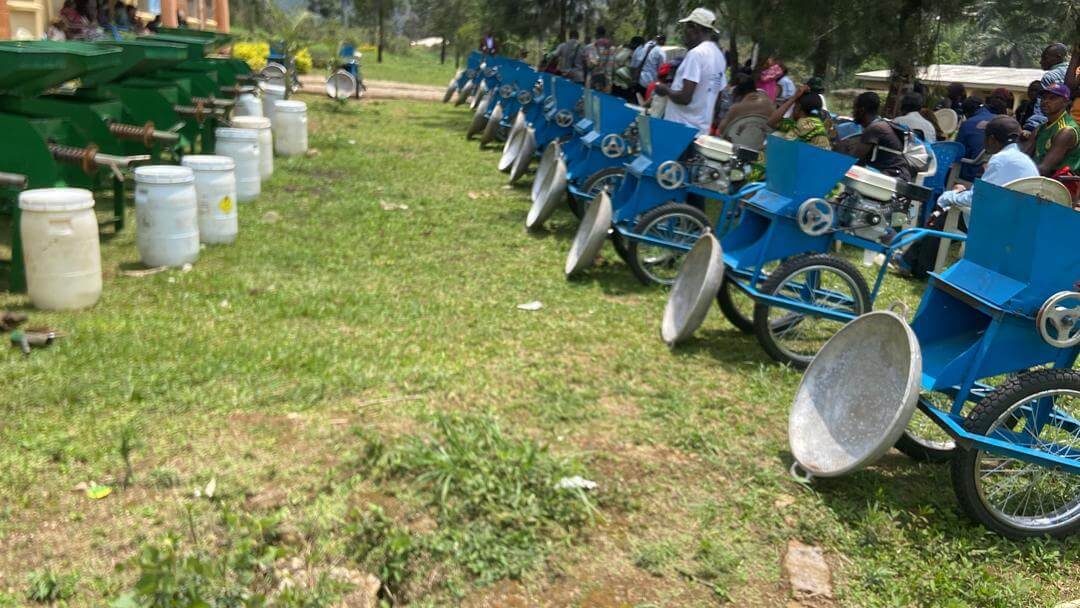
x=775, y=251
x=648, y=206
x=994, y=342
x=603, y=150
x=346, y=81
x=462, y=78
x=563, y=115
x=516, y=83
x=520, y=141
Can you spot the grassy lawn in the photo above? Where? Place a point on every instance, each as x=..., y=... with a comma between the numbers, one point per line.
x=418, y=66
x=351, y=389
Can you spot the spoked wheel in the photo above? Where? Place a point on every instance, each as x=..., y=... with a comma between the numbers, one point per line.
x=923, y=439
x=605, y=180
x=672, y=223
x=1014, y=498
x=815, y=279
x=737, y=306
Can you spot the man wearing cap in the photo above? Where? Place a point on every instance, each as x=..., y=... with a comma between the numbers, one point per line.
x=1007, y=162
x=700, y=77
x=1054, y=63
x=1056, y=144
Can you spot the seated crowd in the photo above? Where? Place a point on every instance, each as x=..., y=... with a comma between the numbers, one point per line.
x=694, y=89
x=100, y=19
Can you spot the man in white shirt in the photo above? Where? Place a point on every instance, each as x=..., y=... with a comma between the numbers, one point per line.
x=700, y=77
x=1007, y=163
x=910, y=104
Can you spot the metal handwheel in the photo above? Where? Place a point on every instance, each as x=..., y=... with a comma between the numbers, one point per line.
x=671, y=175
x=1059, y=320
x=613, y=146
x=815, y=216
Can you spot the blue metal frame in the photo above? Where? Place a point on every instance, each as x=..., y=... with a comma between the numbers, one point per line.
x=609, y=115
x=976, y=319
x=471, y=71
x=518, y=76
x=566, y=95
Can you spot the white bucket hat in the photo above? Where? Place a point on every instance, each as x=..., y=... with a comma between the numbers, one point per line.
x=701, y=16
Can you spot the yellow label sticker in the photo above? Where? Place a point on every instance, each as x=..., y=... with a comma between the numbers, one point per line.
x=225, y=205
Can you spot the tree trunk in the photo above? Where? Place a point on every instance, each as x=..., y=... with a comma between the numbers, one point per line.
x=381, y=17
x=819, y=59
x=562, y=20
x=652, y=18
x=904, y=53
x=442, y=51
x=733, y=47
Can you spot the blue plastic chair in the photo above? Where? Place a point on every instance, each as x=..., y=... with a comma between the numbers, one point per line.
x=947, y=154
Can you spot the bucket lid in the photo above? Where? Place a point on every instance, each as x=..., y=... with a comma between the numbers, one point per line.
x=56, y=199
x=209, y=162
x=237, y=134
x=289, y=105
x=164, y=174
x=251, y=122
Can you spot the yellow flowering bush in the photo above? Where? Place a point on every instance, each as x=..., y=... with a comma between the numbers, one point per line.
x=254, y=54
x=303, y=61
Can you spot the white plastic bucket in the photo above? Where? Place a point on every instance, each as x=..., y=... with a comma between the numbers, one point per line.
x=167, y=215
x=290, y=128
x=272, y=93
x=266, y=141
x=242, y=145
x=60, y=248
x=247, y=104
x=215, y=191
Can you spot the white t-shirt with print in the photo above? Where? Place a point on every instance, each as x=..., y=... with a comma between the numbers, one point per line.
x=705, y=65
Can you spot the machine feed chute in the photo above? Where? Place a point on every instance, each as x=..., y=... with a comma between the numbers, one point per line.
x=856, y=397
x=590, y=236
x=694, y=290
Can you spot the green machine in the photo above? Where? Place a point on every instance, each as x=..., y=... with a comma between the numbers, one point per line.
x=52, y=150
x=197, y=78
x=234, y=76
x=114, y=126
x=150, y=99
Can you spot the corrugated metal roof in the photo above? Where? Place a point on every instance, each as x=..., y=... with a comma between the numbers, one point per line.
x=971, y=76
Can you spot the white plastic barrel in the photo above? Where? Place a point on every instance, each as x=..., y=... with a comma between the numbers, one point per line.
x=215, y=191
x=247, y=104
x=60, y=248
x=290, y=128
x=266, y=141
x=272, y=93
x=242, y=145
x=166, y=214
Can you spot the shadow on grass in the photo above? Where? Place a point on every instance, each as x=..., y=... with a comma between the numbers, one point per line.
x=728, y=346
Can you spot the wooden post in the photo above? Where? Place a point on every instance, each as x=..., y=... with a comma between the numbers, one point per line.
x=168, y=13
x=382, y=18
x=221, y=15
x=5, y=20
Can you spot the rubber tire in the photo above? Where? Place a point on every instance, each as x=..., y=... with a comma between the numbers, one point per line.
x=578, y=206
x=788, y=268
x=981, y=418
x=919, y=452
x=648, y=218
x=731, y=312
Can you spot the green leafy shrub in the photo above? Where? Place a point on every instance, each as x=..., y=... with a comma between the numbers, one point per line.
x=47, y=587
x=494, y=496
